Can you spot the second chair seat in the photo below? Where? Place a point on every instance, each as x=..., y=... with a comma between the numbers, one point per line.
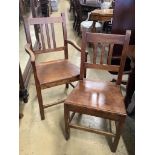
x=57, y=72
x=100, y=96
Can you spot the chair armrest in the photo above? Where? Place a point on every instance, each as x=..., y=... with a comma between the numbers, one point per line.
x=30, y=52
x=74, y=45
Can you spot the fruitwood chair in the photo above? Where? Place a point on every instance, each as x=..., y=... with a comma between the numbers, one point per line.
x=98, y=98
x=55, y=72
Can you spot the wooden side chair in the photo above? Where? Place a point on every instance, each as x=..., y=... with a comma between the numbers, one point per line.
x=55, y=72
x=98, y=98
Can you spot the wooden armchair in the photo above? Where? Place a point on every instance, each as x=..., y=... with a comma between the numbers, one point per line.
x=51, y=73
x=98, y=98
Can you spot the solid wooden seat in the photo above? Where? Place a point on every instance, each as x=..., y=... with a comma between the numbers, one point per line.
x=57, y=72
x=51, y=73
x=97, y=95
x=98, y=98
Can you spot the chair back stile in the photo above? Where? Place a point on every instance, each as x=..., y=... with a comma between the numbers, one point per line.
x=27, y=31
x=99, y=43
x=45, y=24
x=65, y=35
x=124, y=56
x=28, y=38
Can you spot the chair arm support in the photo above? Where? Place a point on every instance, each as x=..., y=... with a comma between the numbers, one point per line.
x=30, y=52
x=74, y=45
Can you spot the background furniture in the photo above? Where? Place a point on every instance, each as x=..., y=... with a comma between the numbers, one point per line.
x=123, y=19
x=23, y=93
x=90, y=5
x=44, y=7
x=24, y=7
x=26, y=73
x=35, y=8
x=87, y=25
x=98, y=98
x=51, y=73
x=79, y=15
x=71, y=5
x=100, y=15
x=53, y=5
x=80, y=11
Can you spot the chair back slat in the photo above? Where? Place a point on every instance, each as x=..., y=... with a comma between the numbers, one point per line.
x=106, y=38
x=99, y=43
x=48, y=36
x=94, y=53
x=111, y=46
x=42, y=36
x=102, y=53
x=53, y=35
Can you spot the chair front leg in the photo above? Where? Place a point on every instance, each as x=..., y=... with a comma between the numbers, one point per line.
x=40, y=101
x=66, y=117
x=119, y=129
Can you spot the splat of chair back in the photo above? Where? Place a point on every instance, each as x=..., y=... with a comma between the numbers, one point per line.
x=45, y=40
x=102, y=51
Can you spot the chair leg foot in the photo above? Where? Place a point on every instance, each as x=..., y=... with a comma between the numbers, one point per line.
x=67, y=136
x=43, y=117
